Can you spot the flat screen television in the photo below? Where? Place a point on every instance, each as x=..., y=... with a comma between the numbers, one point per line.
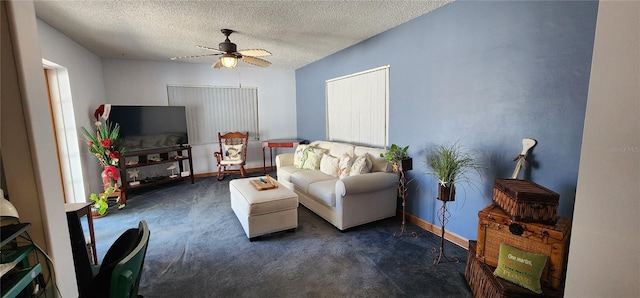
x=150, y=127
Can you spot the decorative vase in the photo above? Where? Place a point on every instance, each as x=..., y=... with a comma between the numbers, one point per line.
x=446, y=193
x=107, y=180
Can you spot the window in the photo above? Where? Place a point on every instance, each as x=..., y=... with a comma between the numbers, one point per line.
x=216, y=109
x=357, y=107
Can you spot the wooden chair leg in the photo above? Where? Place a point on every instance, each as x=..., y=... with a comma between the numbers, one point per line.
x=242, y=171
x=220, y=176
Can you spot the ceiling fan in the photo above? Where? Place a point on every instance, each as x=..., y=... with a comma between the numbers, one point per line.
x=230, y=55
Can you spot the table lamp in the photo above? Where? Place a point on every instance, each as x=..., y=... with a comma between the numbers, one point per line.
x=7, y=210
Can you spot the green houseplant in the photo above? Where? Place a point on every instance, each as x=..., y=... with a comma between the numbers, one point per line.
x=398, y=158
x=101, y=204
x=450, y=164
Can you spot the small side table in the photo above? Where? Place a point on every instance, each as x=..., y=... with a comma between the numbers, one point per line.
x=280, y=143
x=82, y=209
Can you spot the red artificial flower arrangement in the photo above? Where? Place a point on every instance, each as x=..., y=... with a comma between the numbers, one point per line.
x=106, y=145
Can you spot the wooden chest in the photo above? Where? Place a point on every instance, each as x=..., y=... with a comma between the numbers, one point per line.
x=495, y=226
x=484, y=284
x=526, y=201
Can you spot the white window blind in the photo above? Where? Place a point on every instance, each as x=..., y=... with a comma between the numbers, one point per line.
x=357, y=107
x=216, y=109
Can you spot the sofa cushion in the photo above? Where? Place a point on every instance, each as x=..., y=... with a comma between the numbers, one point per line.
x=284, y=173
x=338, y=149
x=361, y=165
x=378, y=164
x=324, y=191
x=298, y=155
x=303, y=178
x=344, y=166
x=322, y=144
x=312, y=157
x=330, y=165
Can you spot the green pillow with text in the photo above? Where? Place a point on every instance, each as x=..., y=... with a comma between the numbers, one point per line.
x=521, y=267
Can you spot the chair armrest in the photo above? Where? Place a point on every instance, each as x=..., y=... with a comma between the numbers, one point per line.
x=218, y=156
x=284, y=159
x=366, y=183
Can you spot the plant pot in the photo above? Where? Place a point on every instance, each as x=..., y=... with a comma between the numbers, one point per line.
x=95, y=214
x=407, y=164
x=404, y=165
x=446, y=193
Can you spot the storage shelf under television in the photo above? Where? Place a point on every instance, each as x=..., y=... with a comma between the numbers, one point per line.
x=173, y=154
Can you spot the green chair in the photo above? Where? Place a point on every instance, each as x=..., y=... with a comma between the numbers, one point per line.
x=121, y=268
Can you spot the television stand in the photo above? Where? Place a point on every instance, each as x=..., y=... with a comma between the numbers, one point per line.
x=165, y=155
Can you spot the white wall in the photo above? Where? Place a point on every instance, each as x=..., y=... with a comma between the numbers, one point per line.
x=604, y=257
x=129, y=82
x=84, y=71
x=33, y=176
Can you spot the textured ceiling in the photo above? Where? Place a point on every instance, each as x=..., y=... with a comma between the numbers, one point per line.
x=295, y=32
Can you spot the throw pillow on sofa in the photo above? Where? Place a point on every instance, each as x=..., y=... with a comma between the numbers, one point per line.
x=361, y=165
x=330, y=165
x=344, y=166
x=298, y=156
x=312, y=157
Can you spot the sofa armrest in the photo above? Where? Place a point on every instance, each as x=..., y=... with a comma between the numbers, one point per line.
x=284, y=159
x=369, y=182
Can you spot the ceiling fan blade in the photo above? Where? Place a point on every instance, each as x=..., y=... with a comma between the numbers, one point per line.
x=255, y=61
x=255, y=52
x=210, y=49
x=218, y=64
x=193, y=56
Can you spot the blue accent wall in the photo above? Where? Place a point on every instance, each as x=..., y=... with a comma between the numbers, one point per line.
x=484, y=74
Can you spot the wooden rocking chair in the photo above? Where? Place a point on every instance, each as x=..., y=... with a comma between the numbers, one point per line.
x=232, y=154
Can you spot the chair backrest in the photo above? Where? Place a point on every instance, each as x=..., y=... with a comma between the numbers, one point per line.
x=125, y=277
x=234, y=138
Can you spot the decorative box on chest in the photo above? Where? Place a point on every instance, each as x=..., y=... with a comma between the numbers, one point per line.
x=526, y=201
x=495, y=226
x=484, y=284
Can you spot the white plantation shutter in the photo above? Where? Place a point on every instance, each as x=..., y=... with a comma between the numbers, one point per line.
x=216, y=109
x=357, y=107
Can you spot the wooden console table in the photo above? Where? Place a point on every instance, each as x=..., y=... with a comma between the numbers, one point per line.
x=279, y=143
x=176, y=154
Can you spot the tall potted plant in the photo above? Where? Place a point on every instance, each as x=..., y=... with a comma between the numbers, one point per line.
x=450, y=164
x=400, y=162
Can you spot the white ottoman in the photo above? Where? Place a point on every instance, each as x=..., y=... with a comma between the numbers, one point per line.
x=263, y=212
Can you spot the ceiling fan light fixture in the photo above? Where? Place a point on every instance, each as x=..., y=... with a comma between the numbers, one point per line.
x=229, y=60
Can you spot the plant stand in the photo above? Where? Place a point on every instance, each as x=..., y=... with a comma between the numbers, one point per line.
x=402, y=190
x=443, y=217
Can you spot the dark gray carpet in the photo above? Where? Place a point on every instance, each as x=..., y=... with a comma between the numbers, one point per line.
x=198, y=249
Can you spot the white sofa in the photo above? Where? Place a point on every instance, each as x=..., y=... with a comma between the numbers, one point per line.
x=344, y=202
